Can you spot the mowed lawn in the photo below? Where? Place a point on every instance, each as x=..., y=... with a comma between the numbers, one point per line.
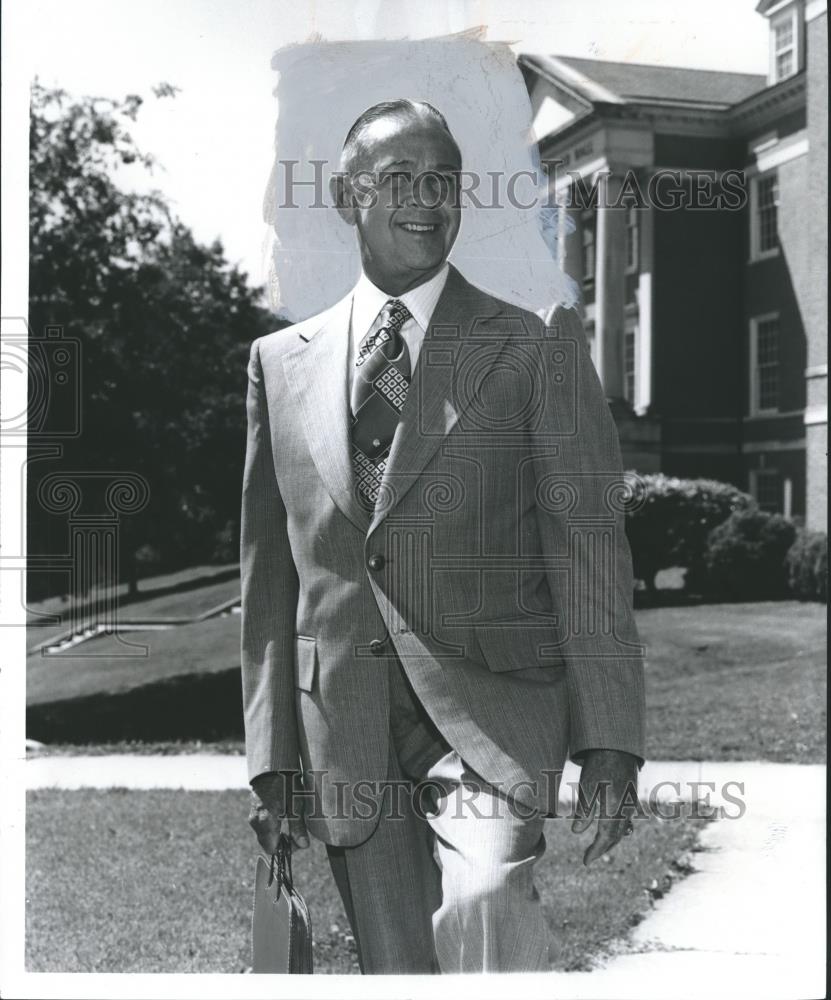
x=736, y=681
x=724, y=681
x=162, y=881
x=113, y=665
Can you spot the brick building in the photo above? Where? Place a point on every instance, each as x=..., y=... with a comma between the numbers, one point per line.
x=711, y=188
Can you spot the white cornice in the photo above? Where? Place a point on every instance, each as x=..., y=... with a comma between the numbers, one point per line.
x=816, y=414
x=781, y=153
x=814, y=8
x=777, y=7
x=777, y=99
x=756, y=112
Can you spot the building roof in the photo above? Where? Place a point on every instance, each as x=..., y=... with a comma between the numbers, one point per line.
x=619, y=83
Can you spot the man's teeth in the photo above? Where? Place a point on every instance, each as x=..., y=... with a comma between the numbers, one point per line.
x=418, y=227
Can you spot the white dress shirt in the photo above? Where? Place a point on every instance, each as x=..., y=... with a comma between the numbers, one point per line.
x=368, y=300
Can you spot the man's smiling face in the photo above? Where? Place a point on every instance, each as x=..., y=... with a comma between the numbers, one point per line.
x=403, y=200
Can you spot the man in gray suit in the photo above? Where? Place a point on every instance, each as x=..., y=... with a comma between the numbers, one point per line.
x=436, y=584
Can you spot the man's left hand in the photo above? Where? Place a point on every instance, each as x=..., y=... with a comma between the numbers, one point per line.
x=607, y=782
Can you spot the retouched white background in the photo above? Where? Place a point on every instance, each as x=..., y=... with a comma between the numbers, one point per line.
x=324, y=86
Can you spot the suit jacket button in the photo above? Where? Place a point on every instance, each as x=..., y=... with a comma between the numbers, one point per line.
x=377, y=647
x=376, y=562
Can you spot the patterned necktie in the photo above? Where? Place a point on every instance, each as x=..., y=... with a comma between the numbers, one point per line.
x=379, y=388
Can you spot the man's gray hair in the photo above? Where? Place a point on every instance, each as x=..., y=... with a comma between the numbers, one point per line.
x=402, y=108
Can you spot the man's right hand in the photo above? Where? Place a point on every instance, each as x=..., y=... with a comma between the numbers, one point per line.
x=269, y=812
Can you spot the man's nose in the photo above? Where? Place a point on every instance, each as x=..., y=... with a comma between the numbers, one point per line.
x=429, y=190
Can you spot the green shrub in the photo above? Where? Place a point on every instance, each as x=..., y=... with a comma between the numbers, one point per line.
x=671, y=525
x=807, y=562
x=746, y=556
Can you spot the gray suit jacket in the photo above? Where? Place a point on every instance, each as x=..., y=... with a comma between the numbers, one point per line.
x=495, y=565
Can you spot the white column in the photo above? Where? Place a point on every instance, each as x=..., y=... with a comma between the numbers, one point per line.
x=643, y=356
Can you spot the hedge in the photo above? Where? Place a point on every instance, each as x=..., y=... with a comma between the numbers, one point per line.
x=746, y=557
x=671, y=520
x=807, y=565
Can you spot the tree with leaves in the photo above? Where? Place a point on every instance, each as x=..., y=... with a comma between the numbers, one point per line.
x=164, y=324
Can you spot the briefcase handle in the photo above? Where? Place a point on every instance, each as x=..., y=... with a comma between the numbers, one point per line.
x=281, y=860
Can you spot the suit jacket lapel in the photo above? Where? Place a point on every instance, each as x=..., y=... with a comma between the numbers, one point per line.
x=433, y=403
x=316, y=370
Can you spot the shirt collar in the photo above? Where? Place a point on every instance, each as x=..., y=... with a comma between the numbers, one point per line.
x=368, y=300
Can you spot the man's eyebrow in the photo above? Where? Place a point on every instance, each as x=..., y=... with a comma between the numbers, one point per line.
x=410, y=163
x=397, y=163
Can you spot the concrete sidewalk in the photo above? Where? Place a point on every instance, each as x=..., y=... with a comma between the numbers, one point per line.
x=749, y=922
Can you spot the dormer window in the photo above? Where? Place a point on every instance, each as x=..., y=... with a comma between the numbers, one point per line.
x=785, y=40
x=784, y=46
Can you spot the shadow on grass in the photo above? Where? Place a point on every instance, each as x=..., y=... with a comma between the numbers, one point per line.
x=185, y=707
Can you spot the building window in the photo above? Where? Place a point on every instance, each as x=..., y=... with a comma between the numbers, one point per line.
x=764, y=218
x=784, y=47
x=766, y=209
x=784, y=40
x=764, y=364
x=629, y=362
x=588, y=230
x=766, y=488
x=631, y=239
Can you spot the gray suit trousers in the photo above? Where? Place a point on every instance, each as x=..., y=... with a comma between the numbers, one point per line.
x=445, y=881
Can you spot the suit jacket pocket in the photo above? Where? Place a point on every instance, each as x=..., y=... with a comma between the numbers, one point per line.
x=516, y=646
x=305, y=661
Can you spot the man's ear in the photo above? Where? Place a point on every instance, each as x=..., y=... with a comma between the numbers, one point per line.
x=343, y=197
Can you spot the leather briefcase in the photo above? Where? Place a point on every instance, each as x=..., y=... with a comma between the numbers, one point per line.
x=281, y=931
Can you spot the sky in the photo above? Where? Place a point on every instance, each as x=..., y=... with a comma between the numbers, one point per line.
x=215, y=140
